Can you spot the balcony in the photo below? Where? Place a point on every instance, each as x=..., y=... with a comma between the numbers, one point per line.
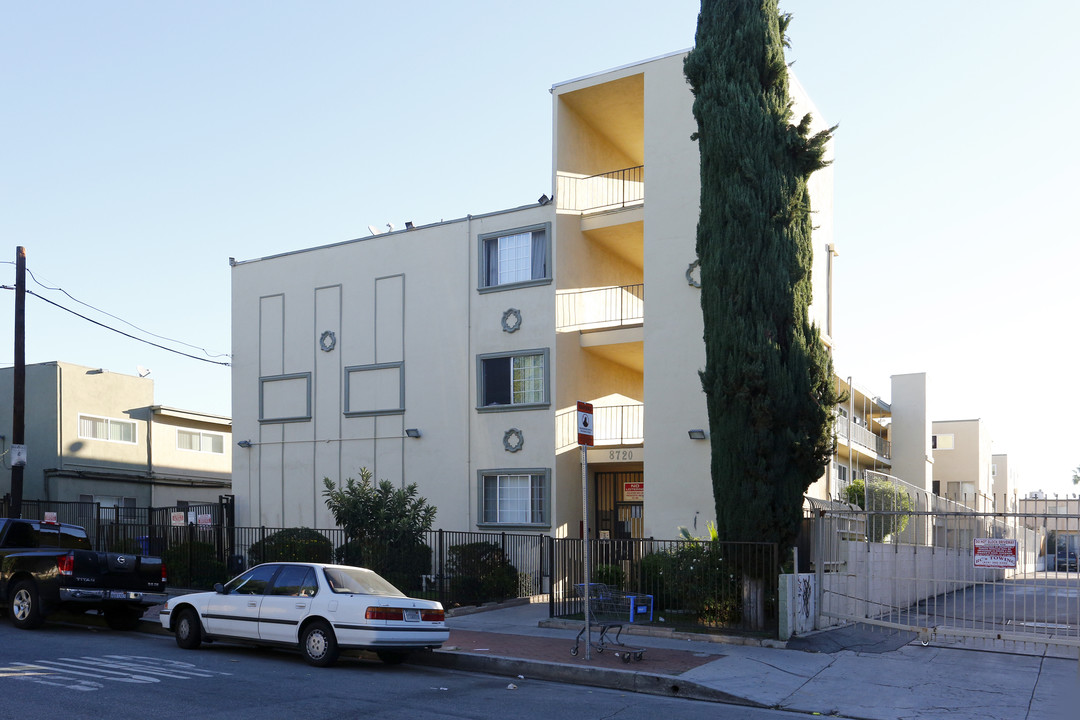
x=600, y=193
x=600, y=308
x=858, y=434
x=612, y=425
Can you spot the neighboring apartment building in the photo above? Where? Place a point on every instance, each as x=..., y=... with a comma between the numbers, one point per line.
x=892, y=438
x=94, y=435
x=963, y=463
x=452, y=355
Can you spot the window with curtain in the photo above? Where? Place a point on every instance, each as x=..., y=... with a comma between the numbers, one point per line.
x=513, y=379
x=515, y=499
x=200, y=441
x=516, y=257
x=108, y=429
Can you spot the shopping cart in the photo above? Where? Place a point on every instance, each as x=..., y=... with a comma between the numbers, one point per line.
x=610, y=609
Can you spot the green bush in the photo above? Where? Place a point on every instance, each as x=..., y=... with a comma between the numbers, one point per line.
x=889, y=506
x=610, y=575
x=292, y=545
x=479, y=572
x=693, y=582
x=193, y=565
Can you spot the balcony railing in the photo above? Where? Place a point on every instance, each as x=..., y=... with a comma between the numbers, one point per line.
x=861, y=435
x=612, y=425
x=606, y=191
x=600, y=308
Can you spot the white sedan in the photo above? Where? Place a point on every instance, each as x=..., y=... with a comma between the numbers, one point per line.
x=318, y=608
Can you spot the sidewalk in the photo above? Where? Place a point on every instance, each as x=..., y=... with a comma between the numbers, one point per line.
x=850, y=672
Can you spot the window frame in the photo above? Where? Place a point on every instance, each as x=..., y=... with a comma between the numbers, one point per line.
x=355, y=369
x=266, y=380
x=482, y=241
x=108, y=422
x=482, y=406
x=201, y=434
x=544, y=475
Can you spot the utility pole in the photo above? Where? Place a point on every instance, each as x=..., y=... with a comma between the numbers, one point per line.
x=18, y=397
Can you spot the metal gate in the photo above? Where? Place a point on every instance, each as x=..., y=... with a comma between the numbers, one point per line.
x=941, y=568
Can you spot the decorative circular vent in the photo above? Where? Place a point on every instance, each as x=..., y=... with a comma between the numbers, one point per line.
x=511, y=320
x=328, y=341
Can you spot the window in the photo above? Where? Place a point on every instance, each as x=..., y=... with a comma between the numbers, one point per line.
x=515, y=257
x=513, y=380
x=295, y=581
x=108, y=429
x=841, y=472
x=942, y=442
x=514, y=497
x=253, y=582
x=200, y=441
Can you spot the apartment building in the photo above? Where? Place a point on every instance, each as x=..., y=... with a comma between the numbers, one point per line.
x=963, y=463
x=452, y=355
x=93, y=435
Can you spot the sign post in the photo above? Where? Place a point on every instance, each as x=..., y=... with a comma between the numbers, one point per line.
x=585, y=440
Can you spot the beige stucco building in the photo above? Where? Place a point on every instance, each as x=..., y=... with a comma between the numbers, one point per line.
x=963, y=469
x=452, y=355
x=96, y=436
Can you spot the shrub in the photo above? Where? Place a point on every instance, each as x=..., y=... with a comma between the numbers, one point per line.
x=479, y=572
x=292, y=545
x=693, y=579
x=611, y=575
x=889, y=506
x=193, y=565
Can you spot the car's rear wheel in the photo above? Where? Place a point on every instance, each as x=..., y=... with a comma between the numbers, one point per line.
x=188, y=630
x=318, y=644
x=26, y=606
x=392, y=657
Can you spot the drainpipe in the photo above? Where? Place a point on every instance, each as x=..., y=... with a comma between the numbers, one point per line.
x=469, y=373
x=851, y=428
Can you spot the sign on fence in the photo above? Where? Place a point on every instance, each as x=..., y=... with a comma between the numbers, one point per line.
x=994, y=553
x=177, y=519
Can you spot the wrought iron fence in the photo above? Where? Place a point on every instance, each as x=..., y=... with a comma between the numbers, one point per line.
x=694, y=584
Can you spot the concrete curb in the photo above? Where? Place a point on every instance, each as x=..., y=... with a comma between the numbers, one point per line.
x=624, y=680
x=650, y=631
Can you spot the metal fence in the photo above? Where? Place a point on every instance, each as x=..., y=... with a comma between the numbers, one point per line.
x=941, y=569
x=694, y=584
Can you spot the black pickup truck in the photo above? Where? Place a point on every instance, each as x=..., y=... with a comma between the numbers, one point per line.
x=46, y=567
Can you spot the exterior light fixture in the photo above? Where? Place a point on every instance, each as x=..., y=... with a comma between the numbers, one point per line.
x=697, y=434
x=244, y=443
x=412, y=432
x=544, y=199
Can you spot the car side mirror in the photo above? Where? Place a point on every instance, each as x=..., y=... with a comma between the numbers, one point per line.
x=219, y=588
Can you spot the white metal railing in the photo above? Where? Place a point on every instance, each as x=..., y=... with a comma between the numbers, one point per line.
x=862, y=435
x=612, y=425
x=606, y=191
x=600, y=308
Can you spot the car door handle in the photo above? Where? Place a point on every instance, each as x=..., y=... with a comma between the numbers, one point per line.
x=252, y=604
x=301, y=606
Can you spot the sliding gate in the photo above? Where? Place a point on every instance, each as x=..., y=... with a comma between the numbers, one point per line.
x=949, y=571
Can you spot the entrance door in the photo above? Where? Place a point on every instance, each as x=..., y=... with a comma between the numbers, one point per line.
x=619, y=514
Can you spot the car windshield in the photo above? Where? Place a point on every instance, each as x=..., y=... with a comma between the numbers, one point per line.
x=359, y=580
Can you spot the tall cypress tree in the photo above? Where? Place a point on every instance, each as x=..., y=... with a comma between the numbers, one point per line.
x=768, y=378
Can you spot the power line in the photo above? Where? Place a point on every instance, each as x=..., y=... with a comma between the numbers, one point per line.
x=128, y=335
x=126, y=322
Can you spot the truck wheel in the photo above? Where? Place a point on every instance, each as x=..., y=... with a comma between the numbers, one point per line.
x=318, y=644
x=188, y=630
x=25, y=606
x=122, y=618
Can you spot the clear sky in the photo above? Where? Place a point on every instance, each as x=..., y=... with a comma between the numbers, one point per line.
x=144, y=143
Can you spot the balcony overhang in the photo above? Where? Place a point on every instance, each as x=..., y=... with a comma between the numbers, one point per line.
x=623, y=346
